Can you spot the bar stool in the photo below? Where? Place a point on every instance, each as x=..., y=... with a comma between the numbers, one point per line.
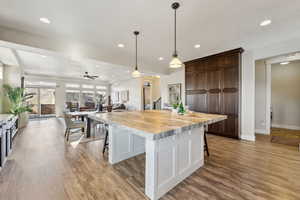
x=205, y=140
x=105, y=144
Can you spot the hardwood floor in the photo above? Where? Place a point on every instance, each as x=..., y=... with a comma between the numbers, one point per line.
x=285, y=136
x=43, y=166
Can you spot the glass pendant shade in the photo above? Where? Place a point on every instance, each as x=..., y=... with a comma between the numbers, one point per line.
x=175, y=62
x=136, y=74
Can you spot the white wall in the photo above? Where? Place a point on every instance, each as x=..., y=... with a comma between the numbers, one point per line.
x=260, y=97
x=134, y=86
x=286, y=95
x=173, y=78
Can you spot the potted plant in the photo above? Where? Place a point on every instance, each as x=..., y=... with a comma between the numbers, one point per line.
x=174, y=107
x=181, y=109
x=19, y=105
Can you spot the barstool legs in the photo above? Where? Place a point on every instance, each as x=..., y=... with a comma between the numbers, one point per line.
x=206, y=146
x=105, y=144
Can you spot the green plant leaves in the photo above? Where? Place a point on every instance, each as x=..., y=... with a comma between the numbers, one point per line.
x=18, y=99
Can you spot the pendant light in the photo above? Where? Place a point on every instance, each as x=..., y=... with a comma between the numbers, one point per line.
x=136, y=73
x=175, y=62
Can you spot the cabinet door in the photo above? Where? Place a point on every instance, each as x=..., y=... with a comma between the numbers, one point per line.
x=213, y=87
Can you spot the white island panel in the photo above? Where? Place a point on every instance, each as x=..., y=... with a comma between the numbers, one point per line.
x=170, y=160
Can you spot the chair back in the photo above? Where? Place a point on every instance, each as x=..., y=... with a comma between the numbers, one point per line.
x=68, y=120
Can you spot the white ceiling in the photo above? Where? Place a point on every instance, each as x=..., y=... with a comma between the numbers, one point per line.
x=59, y=66
x=7, y=57
x=216, y=25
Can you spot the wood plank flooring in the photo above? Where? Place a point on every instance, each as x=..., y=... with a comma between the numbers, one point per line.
x=43, y=166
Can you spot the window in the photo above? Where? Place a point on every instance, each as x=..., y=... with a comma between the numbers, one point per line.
x=39, y=84
x=1, y=72
x=88, y=86
x=71, y=85
x=88, y=99
x=100, y=87
x=72, y=96
x=72, y=99
x=100, y=97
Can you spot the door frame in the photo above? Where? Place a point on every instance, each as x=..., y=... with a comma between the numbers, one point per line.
x=268, y=64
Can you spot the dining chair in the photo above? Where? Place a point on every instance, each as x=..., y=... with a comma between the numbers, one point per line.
x=72, y=124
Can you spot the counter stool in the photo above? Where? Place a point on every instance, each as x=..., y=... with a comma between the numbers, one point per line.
x=205, y=144
x=105, y=144
x=205, y=140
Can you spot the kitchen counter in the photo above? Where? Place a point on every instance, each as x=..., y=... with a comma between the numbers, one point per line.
x=173, y=143
x=5, y=118
x=155, y=124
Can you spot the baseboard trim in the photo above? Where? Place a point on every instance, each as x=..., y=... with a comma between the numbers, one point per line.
x=262, y=131
x=248, y=137
x=292, y=127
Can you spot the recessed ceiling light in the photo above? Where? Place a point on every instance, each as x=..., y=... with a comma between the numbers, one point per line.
x=197, y=46
x=43, y=56
x=265, y=22
x=121, y=45
x=285, y=63
x=45, y=20
x=160, y=58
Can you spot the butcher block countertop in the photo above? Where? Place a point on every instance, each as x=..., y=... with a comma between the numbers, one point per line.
x=156, y=124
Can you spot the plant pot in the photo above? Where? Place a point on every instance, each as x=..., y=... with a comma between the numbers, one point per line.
x=23, y=119
x=109, y=108
x=174, y=110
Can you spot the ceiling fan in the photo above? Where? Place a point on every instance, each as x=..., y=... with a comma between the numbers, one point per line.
x=87, y=76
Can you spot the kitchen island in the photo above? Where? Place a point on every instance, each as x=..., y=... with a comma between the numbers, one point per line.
x=173, y=143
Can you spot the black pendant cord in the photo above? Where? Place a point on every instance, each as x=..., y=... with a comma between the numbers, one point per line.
x=175, y=6
x=136, y=68
x=136, y=33
x=175, y=35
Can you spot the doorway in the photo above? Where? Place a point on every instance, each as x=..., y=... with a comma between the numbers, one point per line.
x=43, y=102
x=277, y=109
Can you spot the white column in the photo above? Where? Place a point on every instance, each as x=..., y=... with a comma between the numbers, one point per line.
x=248, y=97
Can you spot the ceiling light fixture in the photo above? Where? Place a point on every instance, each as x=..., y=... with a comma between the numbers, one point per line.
x=136, y=73
x=121, y=45
x=265, y=22
x=197, y=46
x=43, y=56
x=45, y=20
x=160, y=58
x=175, y=62
x=285, y=63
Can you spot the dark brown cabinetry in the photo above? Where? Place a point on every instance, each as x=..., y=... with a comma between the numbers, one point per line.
x=213, y=86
